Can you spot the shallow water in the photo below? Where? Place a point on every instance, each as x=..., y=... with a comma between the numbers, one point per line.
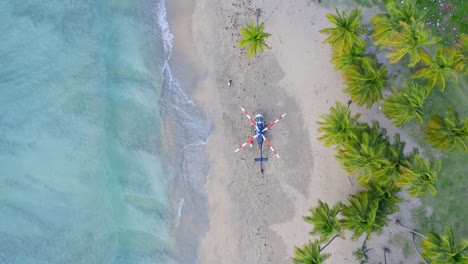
x=82, y=171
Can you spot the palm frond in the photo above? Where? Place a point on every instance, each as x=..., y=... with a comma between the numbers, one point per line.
x=406, y=104
x=444, y=66
x=386, y=195
x=443, y=249
x=343, y=60
x=384, y=24
x=325, y=221
x=420, y=176
x=366, y=155
x=339, y=126
x=410, y=40
x=361, y=216
x=448, y=132
x=366, y=81
x=309, y=254
x=253, y=38
x=394, y=153
x=347, y=31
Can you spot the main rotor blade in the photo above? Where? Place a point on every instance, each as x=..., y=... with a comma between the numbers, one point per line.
x=272, y=124
x=248, y=116
x=270, y=146
x=248, y=142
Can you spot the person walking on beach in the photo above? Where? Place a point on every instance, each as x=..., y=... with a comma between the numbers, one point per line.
x=229, y=83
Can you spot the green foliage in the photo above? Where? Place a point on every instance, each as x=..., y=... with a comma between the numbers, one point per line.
x=361, y=254
x=401, y=31
x=352, y=57
x=394, y=153
x=406, y=104
x=411, y=40
x=441, y=249
x=309, y=254
x=386, y=197
x=253, y=37
x=347, y=30
x=366, y=155
x=445, y=18
x=448, y=132
x=445, y=65
x=383, y=24
x=405, y=11
x=339, y=126
x=325, y=220
x=366, y=81
x=451, y=185
x=361, y=216
x=420, y=176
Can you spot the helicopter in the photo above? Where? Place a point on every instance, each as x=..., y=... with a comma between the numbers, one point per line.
x=260, y=130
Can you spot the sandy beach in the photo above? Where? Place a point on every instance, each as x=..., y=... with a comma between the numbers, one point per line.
x=257, y=218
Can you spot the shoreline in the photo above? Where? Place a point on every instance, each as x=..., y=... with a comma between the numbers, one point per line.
x=257, y=218
x=190, y=203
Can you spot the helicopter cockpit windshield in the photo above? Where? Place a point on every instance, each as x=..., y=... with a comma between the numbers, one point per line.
x=259, y=119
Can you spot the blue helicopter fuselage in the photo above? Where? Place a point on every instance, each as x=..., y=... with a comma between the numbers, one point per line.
x=259, y=130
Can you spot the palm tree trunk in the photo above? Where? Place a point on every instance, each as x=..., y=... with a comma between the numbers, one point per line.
x=413, y=235
x=363, y=248
x=385, y=251
x=415, y=247
x=365, y=240
x=326, y=245
x=411, y=230
x=257, y=12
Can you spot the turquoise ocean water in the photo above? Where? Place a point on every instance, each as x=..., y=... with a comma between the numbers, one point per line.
x=101, y=152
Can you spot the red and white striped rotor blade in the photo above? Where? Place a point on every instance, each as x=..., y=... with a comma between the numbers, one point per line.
x=270, y=146
x=272, y=124
x=250, y=118
x=247, y=142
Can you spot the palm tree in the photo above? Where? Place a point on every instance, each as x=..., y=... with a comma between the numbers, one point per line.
x=383, y=24
x=253, y=38
x=352, y=57
x=406, y=104
x=325, y=220
x=386, y=197
x=347, y=31
x=447, y=132
x=366, y=155
x=445, y=65
x=420, y=175
x=310, y=254
x=394, y=153
x=410, y=40
x=442, y=248
x=339, y=126
x=366, y=81
x=361, y=216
